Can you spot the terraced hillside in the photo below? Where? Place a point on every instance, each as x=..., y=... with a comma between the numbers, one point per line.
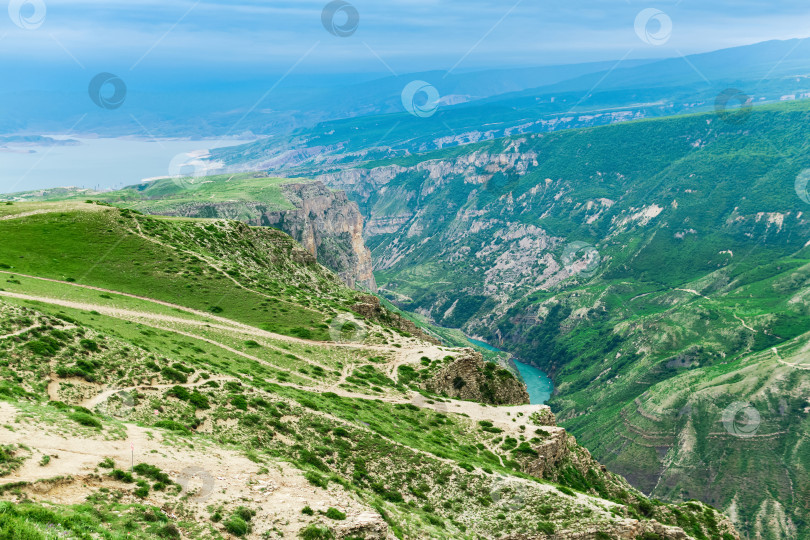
x=658, y=270
x=181, y=378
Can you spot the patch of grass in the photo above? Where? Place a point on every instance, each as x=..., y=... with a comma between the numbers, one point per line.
x=85, y=420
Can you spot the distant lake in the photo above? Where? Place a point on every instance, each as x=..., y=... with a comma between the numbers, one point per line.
x=538, y=384
x=93, y=163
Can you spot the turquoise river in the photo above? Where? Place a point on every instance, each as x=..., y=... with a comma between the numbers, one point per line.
x=537, y=382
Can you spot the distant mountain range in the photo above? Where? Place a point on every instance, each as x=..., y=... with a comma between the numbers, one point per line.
x=504, y=98
x=728, y=79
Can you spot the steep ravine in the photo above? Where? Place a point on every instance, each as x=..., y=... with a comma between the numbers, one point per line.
x=662, y=286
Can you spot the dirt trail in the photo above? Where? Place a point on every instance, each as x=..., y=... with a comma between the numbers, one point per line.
x=742, y=322
x=107, y=394
x=401, y=355
x=229, y=325
x=151, y=318
x=504, y=417
x=215, y=476
x=213, y=265
x=692, y=291
x=202, y=314
x=20, y=332
x=804, y=367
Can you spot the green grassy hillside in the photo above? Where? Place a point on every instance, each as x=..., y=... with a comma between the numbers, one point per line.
x=657, y=261
x=177, y=378
x=163, y=194
x=323, y=221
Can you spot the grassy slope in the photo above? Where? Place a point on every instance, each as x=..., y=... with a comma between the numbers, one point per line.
x=731, y=227
x=172, y=192
x=169, y=193
x=190, y=383
x=171, y=266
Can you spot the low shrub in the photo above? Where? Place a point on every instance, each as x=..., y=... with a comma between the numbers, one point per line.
x=334, y=513
x=85, y=420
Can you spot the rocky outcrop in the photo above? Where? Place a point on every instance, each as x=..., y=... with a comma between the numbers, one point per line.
x=471, y=378
x=368, y=525
x=630, y=529
x=557, y=457
x=325, y=222
x=370, y=308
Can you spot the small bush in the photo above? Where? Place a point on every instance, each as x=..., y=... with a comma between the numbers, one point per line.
x=199, y=400
x=122, y=476
x=43, y=347
x=172, y=426
x=89, y=345
x=334, y=513
x=245, y=513
x=308, y=511
x=153, y=472
x=237, y=526
x=179, y=392
x=174, y=375
x=316, y=532
x=316, y=479
x=169, y=531
x=546, y=527
x=85, y=420
x=239, y=402
x=180, y=367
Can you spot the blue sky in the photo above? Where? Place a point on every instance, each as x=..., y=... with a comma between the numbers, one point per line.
x=265, y=37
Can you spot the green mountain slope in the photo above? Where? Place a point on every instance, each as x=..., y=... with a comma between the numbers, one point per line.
x=178, y=378
x=657, y=269
x=324, y=221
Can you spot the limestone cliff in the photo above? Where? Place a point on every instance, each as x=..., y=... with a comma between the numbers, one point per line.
x=325, y=222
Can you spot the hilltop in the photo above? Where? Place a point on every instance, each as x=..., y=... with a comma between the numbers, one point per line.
x=324, y=221
x=257, y=396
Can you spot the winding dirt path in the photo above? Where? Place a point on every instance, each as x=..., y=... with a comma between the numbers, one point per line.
x=20, y=332
x=107, y=394
x=742, y=322
x=804, y=367
x=505, y=417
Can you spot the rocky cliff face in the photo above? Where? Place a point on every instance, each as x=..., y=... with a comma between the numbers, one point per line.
x=554, y=455
x=325, y=222
x=370, y=308
x=471, y=378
